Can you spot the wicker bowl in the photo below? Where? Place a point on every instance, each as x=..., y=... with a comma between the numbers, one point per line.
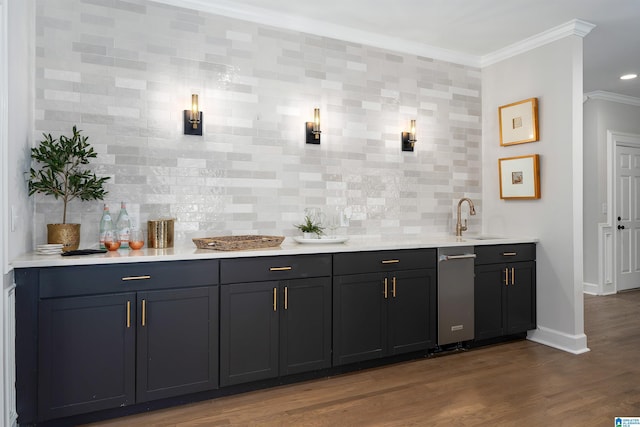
x=238, y=243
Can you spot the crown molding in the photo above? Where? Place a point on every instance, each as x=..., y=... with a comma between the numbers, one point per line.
x=575, y=27
x=325, y=29
x=601, y=95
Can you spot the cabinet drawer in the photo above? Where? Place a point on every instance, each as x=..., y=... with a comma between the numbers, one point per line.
x=494, y=254
x=274, y=268
x=96, y=279
x=381, y=261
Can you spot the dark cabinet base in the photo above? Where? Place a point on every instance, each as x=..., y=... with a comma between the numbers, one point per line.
x=89, y=342
x=504, y=290
x=274, y=332
x=87, y=357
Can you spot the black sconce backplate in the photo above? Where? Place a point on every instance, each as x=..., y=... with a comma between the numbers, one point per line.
x=188, y=126
x=312, y=138
x=407, y=144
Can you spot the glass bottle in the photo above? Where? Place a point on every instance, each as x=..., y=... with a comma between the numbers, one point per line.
x=123, y=225
x=106, y=224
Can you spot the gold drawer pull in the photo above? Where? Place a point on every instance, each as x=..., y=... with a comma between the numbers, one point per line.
x=509, y=253
x=280, y=268
x=386, y=284
x=390, y=261
x=275, y=299
x=124, y=279
x=506, y=276
x=393, y=286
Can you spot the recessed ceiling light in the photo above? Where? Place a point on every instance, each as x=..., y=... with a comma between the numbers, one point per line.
x=628, y=76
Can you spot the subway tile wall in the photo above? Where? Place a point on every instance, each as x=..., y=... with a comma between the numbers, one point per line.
x=123, y=72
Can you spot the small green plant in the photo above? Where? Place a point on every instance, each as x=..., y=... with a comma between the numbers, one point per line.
x=60, y=171
x=309, y=226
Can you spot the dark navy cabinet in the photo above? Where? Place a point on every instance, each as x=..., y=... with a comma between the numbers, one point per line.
x=86, y=355
x=505, y=290
x=275, y=317
x=384, y=303
x=111, y=339
x=113, y=335
x=177, y=345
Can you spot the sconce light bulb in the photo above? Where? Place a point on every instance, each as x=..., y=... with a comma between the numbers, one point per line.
x=413, y=130
x=195, y=111
x=316, y=120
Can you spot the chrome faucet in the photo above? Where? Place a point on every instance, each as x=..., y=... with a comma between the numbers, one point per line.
x=472, y=211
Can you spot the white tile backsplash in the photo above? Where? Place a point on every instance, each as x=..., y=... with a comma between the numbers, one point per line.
x=124, y=71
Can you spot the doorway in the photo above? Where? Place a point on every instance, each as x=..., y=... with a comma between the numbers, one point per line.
x=626, y=216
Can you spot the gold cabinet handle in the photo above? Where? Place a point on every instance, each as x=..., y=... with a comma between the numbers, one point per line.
x=280, y=268
x=513, y=276
x=128, y=314
x=144, y=312
x=506, y=276
x=386, y=284
x=509, y=253
x=393, y=286
x=286, y=297
x=390, y=261
x=275, y=299
x=125, y=279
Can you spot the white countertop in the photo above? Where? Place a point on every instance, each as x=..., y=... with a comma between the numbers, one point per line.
x=188, y=251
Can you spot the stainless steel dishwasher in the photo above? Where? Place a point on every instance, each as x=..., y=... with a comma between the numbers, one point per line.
x=455, y=294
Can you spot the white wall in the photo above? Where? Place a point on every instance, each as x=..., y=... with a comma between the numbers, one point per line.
x=601, y=116
x=16, y=122
x=3, y=189
x=553, y=74
x=20, y=122
x=592, y=194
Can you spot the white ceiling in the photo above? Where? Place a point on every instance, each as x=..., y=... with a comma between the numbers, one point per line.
x=466, y=31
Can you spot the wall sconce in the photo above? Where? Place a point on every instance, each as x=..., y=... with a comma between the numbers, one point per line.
x=409, y=138
x=313, y=128
x=193, y=118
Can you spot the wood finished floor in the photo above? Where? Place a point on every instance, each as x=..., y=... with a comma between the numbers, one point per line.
x=515, y=384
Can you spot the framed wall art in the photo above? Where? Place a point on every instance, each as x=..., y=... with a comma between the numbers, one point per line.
x=519, y=177
x=519, y=122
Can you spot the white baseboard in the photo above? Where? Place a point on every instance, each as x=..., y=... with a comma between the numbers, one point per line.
x=576, y=344
x=591, y=288
x=594, y=289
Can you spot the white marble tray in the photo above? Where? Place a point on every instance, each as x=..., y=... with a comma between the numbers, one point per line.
x=323, y=240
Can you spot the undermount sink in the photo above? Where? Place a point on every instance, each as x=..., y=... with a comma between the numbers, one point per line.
x=482, y=237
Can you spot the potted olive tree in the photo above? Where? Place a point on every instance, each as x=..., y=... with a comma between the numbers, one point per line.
x=59, y=169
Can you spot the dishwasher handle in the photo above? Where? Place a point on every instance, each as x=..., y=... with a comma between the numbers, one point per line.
x=454, y=257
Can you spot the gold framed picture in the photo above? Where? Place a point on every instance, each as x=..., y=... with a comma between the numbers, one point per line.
x=519, y=122
x=519, y=177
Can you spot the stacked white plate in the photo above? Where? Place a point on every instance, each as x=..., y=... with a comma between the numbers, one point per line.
x=49, y=249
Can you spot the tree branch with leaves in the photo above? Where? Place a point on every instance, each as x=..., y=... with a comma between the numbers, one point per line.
x=60, y=170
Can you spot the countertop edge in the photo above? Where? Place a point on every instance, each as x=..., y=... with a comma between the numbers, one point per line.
x=288, y=247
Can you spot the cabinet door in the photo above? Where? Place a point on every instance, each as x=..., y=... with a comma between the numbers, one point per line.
x=359, y=318
x=521, y=298
x=86, y=354
x=489, y=285
x=412, y=310
x=177, y=342
x=305, y=325
x=248, y=332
